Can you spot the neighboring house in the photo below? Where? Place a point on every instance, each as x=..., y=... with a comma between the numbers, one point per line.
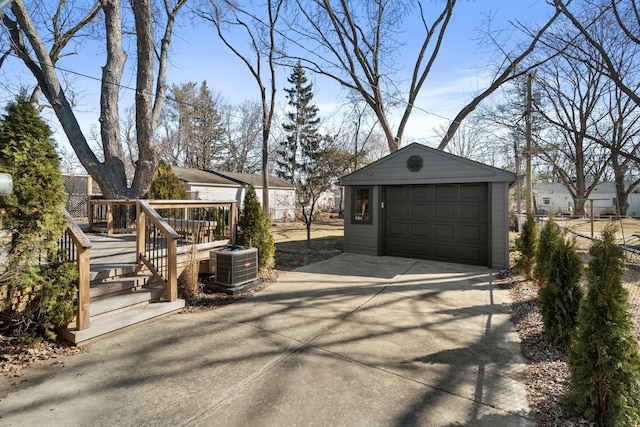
x=555, y=198
x=224, y=186
x=423, y=203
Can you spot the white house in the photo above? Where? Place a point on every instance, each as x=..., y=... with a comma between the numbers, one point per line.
x=555, y=197
x=217, y=186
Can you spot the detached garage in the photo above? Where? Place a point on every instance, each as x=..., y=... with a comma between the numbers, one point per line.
x=423, y=203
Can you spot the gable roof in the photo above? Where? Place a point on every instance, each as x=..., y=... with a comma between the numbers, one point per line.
x=438, y=167
x=211, y=177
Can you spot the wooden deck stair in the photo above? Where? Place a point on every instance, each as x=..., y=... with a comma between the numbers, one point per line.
x=121, y=297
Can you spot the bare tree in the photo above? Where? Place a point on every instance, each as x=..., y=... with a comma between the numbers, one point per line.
x=626, y=16
x=29, y=38
x=355, y=44
x=574, y=93
x=228, y=15
x=242, y=138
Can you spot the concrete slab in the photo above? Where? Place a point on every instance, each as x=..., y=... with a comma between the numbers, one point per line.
x=354, y=340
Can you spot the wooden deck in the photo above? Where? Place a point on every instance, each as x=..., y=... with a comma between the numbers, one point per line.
x=121, y=292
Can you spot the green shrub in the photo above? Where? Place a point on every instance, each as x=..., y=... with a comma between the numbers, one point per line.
x=255, y=230
x=559, y=300
x=526, y=245
x=38, y=293
x=549, y=237
x=604, y=363
x=166, y=185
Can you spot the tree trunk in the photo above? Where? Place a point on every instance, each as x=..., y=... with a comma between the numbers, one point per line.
x=147, y=158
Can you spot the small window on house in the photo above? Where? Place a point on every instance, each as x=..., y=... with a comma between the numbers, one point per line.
x=361, y=205
x=546, y=200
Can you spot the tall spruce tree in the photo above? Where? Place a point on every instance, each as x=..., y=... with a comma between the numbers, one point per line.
x=301, y=127
x=255, y=230
x=604, y=363
x=308, y=159
x=39, y=292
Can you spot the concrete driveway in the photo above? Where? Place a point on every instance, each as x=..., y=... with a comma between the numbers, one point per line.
x=351, y=341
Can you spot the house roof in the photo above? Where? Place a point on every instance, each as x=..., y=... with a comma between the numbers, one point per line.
x=434, y=166
x=211, y=177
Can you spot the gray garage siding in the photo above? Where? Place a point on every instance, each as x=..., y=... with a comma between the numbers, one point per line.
x=499, y=201
x=362, y=238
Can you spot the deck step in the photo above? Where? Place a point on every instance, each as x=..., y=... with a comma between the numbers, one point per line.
x=103, y=288
x=123, y=300
x=122, y=319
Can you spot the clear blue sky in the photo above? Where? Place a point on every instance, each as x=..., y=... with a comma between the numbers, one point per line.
x=458, y=74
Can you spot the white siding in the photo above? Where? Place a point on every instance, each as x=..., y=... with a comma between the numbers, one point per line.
x=281, y=204
x=217, y=193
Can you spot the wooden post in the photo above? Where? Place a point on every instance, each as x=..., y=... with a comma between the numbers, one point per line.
x=141, y=232
x=89, y=207
x=172, y=269
x=233, y=212
x=82, y=316
x=591, y=216
x=109, y=218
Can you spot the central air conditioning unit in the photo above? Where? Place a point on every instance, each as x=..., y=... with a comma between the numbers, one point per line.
x=235, y=265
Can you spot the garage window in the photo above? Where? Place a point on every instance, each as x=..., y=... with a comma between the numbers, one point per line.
x=361, y=203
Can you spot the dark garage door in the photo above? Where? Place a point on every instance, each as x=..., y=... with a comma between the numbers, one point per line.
x=445, y=222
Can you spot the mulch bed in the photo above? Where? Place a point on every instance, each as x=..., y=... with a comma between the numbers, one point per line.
x=547, y=370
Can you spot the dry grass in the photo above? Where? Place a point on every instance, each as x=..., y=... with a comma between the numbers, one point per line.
x=190, y=285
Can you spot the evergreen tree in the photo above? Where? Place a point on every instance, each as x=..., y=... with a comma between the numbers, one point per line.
x=549, y=237
x=166, y=185
x=560, y=299
x=526, y=244
x=39, y=293
x=255, y=230
x=198, y=138
x=604, y=363
x=303, y=139
x=308, y=159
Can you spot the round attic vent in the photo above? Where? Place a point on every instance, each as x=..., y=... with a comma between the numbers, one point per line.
x=414, y=163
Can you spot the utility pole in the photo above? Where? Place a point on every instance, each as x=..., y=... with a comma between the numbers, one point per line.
x=528, y=118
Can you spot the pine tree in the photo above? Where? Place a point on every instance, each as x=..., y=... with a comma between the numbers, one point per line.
x=303, y=139
x=549, y=237
x=39, y=292
x=255, y=230
x=560, y=299
x=526, y=244
x=166, y=185
x=604, y=363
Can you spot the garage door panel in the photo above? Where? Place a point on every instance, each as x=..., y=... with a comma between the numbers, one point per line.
x=469, y=254
x=443, y=251
x=473, y=192
x=445, y=192
x=444, y=231
x=471, y=233
x=421, y=192
x=396, y=228
x=444, y=211
x=447, y=222
x=420, y=212
x=418, y=230
x=419, y=250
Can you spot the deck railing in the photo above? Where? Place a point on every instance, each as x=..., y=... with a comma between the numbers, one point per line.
x=166, y=228
x=74, y=246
